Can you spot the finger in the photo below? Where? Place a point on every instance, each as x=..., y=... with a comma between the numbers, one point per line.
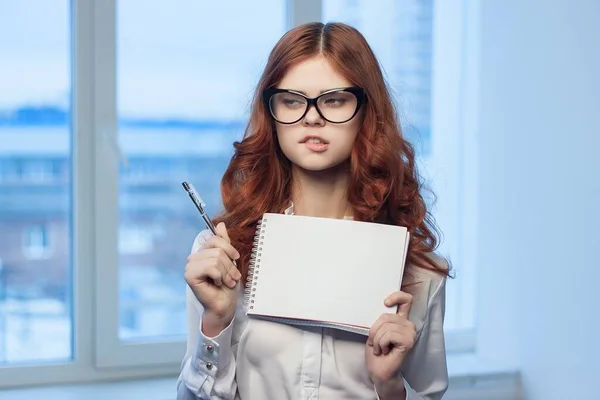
x=410, y=328
x=400, y=335
x=230, y=273
x=392, y=338
x=383, y=319
x=402, y=299
x=222, y=231
x=222, y=243
x=373, y=330
x=218, y=259
x=201, y=271
x=213, y=273
x=377, y=348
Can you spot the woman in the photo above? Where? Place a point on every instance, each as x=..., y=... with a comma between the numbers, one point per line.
x=323, y=141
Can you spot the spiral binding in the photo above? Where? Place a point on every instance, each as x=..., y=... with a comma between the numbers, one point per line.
x=254, y=265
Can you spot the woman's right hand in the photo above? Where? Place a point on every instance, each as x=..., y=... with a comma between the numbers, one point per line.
x=213, y=278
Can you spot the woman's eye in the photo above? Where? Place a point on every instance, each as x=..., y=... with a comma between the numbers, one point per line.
x=291, y=102
x=335, y=101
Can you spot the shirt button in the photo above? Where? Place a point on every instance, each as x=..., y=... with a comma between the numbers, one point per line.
x=209, y=365
x=210, y=348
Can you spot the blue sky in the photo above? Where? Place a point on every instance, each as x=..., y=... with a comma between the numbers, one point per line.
x=182, y=58
x=33, y=45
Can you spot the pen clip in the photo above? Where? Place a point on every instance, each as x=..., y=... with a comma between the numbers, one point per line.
x=195, y=196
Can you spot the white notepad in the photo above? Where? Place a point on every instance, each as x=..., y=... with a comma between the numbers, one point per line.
x=324, y=272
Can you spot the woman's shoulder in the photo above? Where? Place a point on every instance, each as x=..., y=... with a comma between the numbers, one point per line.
x=426, y=286
x=425, y=278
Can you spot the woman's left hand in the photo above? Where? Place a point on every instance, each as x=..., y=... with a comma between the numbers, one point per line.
x=390, y=339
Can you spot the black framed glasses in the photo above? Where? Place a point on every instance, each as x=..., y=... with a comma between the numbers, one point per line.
x=336, y=105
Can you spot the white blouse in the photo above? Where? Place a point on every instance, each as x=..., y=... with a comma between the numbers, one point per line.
x=261, y=360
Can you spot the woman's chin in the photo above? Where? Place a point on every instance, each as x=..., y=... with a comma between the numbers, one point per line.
x=324, y=166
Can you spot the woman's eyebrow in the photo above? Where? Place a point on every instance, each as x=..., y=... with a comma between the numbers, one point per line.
x=304, y=93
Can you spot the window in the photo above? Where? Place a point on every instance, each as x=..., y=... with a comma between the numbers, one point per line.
x=135, y=240
x=36, y=171
x=36, y=242
x=3, y=170
x=181, y=100
x=414, y=56
x=36, y=323
x=400, y=33
x=107, y=199
x=107, y=106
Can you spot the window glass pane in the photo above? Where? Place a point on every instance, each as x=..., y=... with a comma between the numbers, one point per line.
x=35, y=182
x=401, y=35
x=186, y=74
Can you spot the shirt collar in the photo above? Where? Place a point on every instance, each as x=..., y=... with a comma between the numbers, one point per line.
x=290, y=211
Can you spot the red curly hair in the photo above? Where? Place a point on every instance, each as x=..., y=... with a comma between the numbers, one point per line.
x=383, y=186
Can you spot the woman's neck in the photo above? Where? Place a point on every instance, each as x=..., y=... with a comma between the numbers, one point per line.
x=321, y=193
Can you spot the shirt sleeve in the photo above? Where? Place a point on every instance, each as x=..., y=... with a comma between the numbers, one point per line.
x=425, y=372
x=208, y=367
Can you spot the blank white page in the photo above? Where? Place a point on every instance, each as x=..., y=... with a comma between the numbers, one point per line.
x=329, y=270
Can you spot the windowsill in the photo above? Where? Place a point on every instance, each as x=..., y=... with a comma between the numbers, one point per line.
x=473, y=378
x=469, y=378
x=469, y=366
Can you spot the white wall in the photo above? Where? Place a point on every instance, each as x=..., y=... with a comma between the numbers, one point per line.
x=539, y=225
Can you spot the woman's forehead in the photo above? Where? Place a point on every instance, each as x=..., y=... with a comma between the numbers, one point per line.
x=312, y=77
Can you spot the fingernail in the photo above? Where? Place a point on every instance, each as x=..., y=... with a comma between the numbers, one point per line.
x=376, y=352
x=231, y=284
x=237, y=256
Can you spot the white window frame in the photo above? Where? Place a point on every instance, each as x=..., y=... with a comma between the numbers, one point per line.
x=98, y=353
